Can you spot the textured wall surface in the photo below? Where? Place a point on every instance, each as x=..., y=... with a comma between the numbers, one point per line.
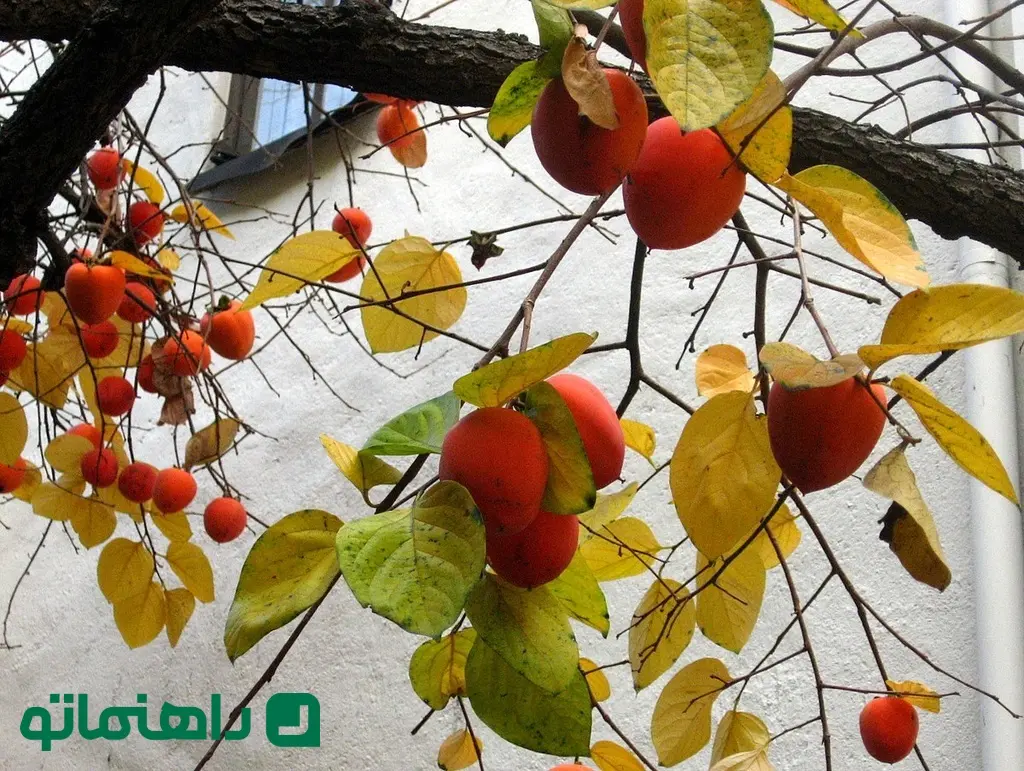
x=356, y=662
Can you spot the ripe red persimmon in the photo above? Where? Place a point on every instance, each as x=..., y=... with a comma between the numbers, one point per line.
x=394, y=124
x=99, y=340
x=105, y=168
x=138, y=298
x=89, y=432
x=115, y=396
x=229, y=332
x=93, y=292
x=631, y=17
x=145, y=374
x=598, y=426
x=537, y=554
x=888, y=728
x=224, y=519
x=145, y=221
x=137, y=482
x=185, y=356
x=99, y=467
x=11, y=477
x=683, y=188
x=12, y=350
x=577, y=153
x=498, y=455
x=174, y=490
x=23, y=295
x=355, y=225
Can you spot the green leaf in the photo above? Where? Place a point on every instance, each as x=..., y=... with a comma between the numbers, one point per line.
x=513, y=105
x=555, y=29
x=528, y=628
x=418, y=430
x=580, y=593
x=416, y=566
x=523, y=714
x=705, y=58
x=437, y=669
x=290, y=567
x=570, y=488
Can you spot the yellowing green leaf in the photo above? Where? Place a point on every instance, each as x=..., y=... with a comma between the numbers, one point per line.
x=529, y=629
x=765, y=154
x=132, y=264
x=661, y=628
x=203, y=217
x=639, y=438
x=908, y=527
x=620, y=549
x=179, y=603
x=946, y=318
x=93, y=520
x=578, y=591
x=124, y=570
x=437, y=669
x=961, y=441
x=681, y=724
x=723, y=368
x=459, y=751
x=64, y=453
x=175, y=527
x=738, y=732
x=728, y=609
x=796, y=369
x=821, y=12
x=190, y=564
x=921, y=696
x=607, y=509
x=723, y=475
x=609, y=756
x=513, y=105
x=416, y=566
x=787, y=535
x=862, y=220
x=419, y=429
x=13, y=429
x=211, y=443
x=140, y=618
x=410, y=264
x=145, y=181
x=499, y=381
x=553, y=24
x=363, y=470
x=299, y=261
x=58, y=501
x=706, y=58
x=570, y=486
x=290, y=567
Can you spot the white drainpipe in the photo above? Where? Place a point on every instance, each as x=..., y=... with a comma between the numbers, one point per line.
x=996, y=525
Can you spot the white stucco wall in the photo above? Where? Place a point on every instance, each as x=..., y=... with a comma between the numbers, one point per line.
x=356, y=662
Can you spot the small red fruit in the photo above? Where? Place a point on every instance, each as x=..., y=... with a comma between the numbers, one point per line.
x=146, y=221
x=89, y=432
x=137, y=482
x=186, y=356
x=224, y=519
x=99, y=467
x=12, y=350
x=598, y=426
x=820, y=436
x=23, y=295
x=229, y=332
x=145, y=374
x=683, y=188
x=355, y=225
x=888, y=728
x=94, y=292
x=99, y=340
x=175, y=489
x=11, y=477
x=580, y=155
x=138, y=299
x=105, y=169
x=537, y=554
x=115, y=396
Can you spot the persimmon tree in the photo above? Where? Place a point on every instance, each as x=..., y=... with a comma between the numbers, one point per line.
x=115, y=287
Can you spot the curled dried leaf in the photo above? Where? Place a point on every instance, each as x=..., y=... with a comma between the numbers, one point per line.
x=588, y=85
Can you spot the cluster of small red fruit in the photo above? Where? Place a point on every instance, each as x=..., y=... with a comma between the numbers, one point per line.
x=499, y=456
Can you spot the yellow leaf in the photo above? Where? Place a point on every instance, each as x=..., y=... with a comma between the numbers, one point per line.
x=946, y=318
x=18, y=326
x=908, y=526
x=32, y=481
x=723, y=368
x=145, y=181
x=299, y=261
x=586, y=83
x=723, y=475
x=410, y=264
x=203, y=217
x=639, y=438
x=597, y=682
x=362, y=470
x=124, y=570
x=459, y=751
x=610, y=756
x=169, y=259
x=58, y=501
x=787, y=535
x=13, y=429
x=961, y=441
x=65, y=453
x=93, y=520
x=499, y=381
x=190, y=564
x=46, y=373
x=113, y=498
x=738, y=732
x=921, y=696
x=821, y=12
x=437, y=670
x=681, y=724
x=620, y=549
x=586, y=5
x=132, y=264
x=796, y=369
x=211, y=443
x=180, y=603
x=140, y=617
x=862, y=220
x=727, y=610
x=706, y=58
x=751, y=760
x=765, y=154
x=660, y=631
x=607, y=509
x=175, y=527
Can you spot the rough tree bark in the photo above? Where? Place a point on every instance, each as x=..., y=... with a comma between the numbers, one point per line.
x=363, y=45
